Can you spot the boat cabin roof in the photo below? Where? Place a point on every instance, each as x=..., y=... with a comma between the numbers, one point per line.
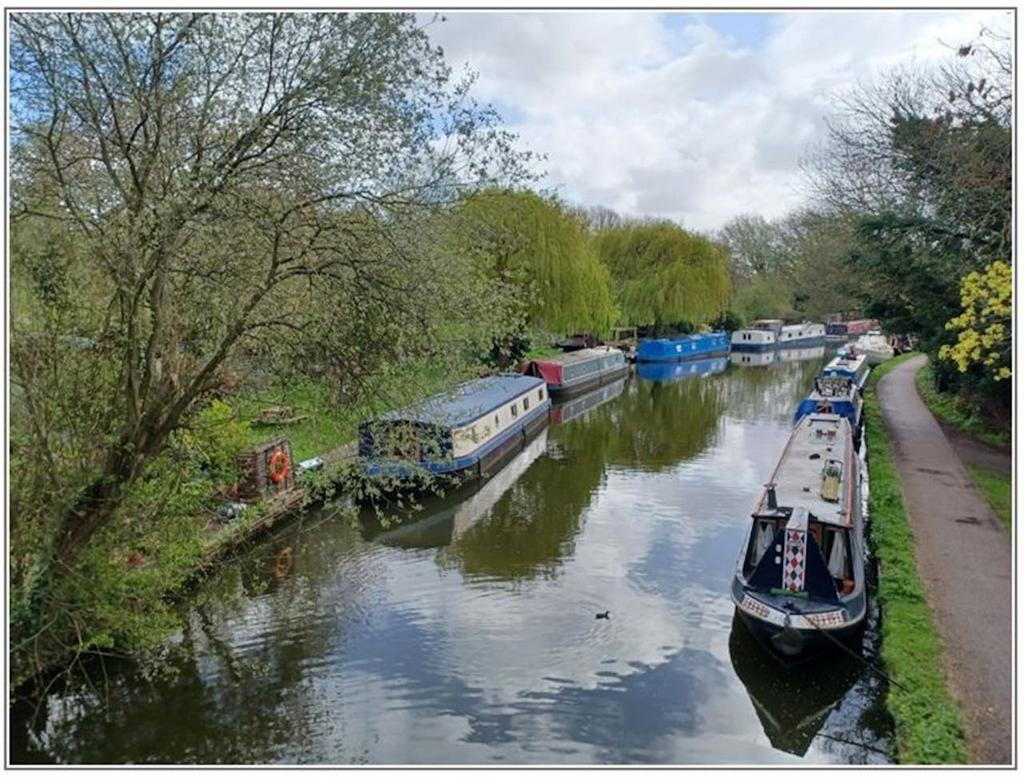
x=798, y=477
x=846, y=362
x=583, y=355
x=466, y=402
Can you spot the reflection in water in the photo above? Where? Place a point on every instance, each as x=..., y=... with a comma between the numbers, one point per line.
x=776, y=356
x=466, y=633
x=833, y=700
x=444, y=520
x=664, y=372
x=563, y=412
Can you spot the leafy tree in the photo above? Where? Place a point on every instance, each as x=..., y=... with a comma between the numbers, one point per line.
x=664, y=274
x=536, y=247
x=756, y=247
x=985, y=326
x=190, y=188
x=921, y=164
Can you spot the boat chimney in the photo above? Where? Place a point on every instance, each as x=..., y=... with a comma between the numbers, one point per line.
x=773, y=503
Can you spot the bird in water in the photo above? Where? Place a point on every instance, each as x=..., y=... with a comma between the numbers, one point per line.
x=605, y=615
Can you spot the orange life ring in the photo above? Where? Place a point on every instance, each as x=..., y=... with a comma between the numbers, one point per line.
x=279, y=466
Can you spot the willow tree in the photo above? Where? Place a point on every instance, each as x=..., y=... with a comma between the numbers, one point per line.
x=664, y=274
x=541, y=250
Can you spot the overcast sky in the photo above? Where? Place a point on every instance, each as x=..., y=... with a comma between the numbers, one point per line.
x=692, y=116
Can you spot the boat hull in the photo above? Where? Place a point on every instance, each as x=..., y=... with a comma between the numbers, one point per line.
x=669, y=358
x=562, y=391
x=481, y=462
x=683, y=348
x=801, y=342
x=787, y=635
x=795, y=645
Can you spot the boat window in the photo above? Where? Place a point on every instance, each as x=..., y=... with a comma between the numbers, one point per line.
x=497, y=423
x=515, y=411
x=526, y=404
x=540, y=395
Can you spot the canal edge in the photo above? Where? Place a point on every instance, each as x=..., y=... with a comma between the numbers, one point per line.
x=928, y=721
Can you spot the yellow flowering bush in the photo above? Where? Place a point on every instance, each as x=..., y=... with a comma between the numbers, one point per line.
x=985, y=324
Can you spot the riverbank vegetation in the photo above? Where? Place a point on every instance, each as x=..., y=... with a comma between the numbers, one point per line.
x=226, y=228
x=207, y=207
x=960, y=413
x=929, y=728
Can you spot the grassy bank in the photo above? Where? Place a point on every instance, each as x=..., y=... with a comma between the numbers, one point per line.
x=949, y=409
x=998, y=490
x=119, y=597
x=929, y=728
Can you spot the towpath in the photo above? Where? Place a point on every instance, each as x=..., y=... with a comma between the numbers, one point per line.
x=963, y=555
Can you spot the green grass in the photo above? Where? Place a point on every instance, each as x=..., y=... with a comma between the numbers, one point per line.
x=329, y=424
x=928, y=722
x=998, y=490
x=950, y=409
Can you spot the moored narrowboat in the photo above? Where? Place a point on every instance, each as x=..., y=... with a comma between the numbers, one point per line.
x=875, y=347
x=842, y=331
x=468, y=431
x=850, y=365
x=799, y=585
x=574, y=373
x=774, y=333
x=837, y=395
x=673, y=349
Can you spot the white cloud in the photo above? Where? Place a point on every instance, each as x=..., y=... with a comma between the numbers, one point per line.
x=672, y=117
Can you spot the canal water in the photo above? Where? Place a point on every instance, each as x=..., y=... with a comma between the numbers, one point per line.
x=466, y=633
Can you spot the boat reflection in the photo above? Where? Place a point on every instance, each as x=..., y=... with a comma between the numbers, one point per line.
x=575, y=408
x=665, y=372
x=779, y=356
x=445, y=520
x=792, y=703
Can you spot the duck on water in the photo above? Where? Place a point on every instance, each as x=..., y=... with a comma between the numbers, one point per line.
x=799, y=585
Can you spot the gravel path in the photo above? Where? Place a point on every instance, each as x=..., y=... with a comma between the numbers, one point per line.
x=965, y=562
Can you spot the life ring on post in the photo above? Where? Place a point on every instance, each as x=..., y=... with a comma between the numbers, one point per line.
x=279, y=466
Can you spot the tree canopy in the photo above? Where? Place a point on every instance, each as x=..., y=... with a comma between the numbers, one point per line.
x=664, y=274
x=540, y=249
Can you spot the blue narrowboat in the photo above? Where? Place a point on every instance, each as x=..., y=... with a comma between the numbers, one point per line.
x=698, y=346
x=799, y=585
x=850, y=365
x=837, y=395
x=661, y=372
x=467, y=431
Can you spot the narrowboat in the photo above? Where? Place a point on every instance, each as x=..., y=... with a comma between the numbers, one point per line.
x=666, y=372
x=875, y=347
x=838, y=395
x=583, y=404
x=774, y=333
x=842, y=331
x=468, y=431
x=799, y=585
x=574, y=373
x=848, y=364
x=696, y=346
